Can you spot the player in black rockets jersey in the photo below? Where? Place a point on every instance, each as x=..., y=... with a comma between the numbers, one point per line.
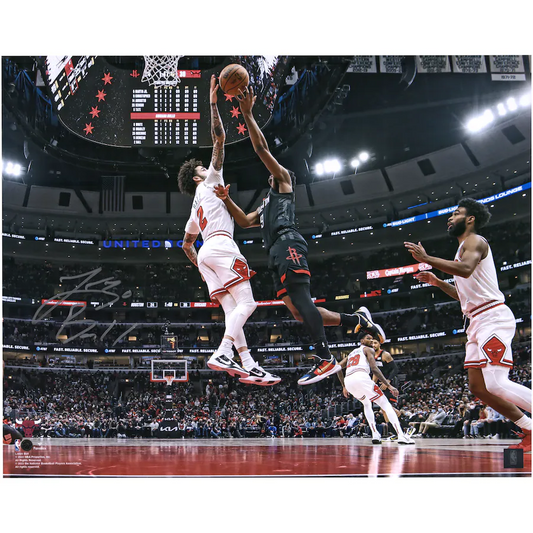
x=287, y=251
x=389, y=369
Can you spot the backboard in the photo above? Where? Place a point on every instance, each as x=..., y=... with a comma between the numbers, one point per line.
x=162, y=368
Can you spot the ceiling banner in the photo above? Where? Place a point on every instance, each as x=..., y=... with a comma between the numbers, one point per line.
x=469, y=64
x=432, y=64
x=363, y=64
x=390, y=64
x=507, y=68
x=505, y=64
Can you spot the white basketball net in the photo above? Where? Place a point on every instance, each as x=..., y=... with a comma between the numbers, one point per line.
x=161, y=70
x=169, y=380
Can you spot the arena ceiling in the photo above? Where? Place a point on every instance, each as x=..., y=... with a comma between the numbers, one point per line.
x=404, y=128
x=376, y=113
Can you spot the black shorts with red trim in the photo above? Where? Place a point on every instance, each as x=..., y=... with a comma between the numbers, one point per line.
x=289, y=252
x=388, y=394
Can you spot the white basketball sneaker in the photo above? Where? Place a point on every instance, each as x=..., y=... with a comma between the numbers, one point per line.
x=225, y=362
x=259, y=376
x=405, y=440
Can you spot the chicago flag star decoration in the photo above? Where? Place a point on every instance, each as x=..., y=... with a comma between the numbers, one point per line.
x=107, y=78
x=95, y=112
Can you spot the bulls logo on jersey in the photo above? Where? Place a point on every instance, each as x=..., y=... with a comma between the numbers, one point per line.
x=240, y=268
x=494, y=349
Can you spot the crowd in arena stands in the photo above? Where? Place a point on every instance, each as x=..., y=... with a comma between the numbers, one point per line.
x=401, y=322
x=182, y=282
x=434, y=401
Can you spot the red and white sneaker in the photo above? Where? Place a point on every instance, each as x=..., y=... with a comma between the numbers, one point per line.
x=525, y=444
x=321, y=370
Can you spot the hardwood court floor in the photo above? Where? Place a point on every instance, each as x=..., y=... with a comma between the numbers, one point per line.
x=260, y=457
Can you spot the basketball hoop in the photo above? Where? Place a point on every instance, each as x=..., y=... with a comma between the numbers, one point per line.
x=161, y=71
x=169, y=380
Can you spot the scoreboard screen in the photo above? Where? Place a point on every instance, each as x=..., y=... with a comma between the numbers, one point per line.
x=110, y=105
x=169, y=344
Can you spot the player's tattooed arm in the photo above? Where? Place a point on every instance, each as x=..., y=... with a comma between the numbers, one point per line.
x=218, y=155
x=189, y=249
x=217, y=129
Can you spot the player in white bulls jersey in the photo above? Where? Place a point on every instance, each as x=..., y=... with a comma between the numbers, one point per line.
x=492, y=324
x=220, y=262
x=359, y=363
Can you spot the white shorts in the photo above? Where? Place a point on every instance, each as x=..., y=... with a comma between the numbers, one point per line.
x=222, y=265
x=361, y=386
x=490, y=335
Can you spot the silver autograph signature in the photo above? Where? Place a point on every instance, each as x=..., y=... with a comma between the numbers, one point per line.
x=101, y=286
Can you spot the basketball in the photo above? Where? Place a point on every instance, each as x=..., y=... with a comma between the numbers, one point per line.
x=233, y=78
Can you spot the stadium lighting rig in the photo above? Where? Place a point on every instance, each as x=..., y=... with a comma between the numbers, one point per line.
x=334, y=166
x=329, y=166
x=9, y=168
x=501, y=109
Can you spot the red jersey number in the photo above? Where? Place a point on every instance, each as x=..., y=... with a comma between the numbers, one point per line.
x=201, y=218
x=354, y=360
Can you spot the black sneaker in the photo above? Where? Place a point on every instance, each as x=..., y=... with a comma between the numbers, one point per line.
x=365, y=322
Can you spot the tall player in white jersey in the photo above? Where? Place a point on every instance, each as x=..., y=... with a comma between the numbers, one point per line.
x=220, y=262
x=359, y=363
x=492, y=324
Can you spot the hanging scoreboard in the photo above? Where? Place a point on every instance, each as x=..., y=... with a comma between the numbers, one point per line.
x=110, y=105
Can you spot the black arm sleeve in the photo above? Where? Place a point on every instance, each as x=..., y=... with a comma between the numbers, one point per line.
x=392, y=370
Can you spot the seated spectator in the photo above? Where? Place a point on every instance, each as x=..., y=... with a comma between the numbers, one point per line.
x=478, y=426
x=471, y=415
x=493, y=423
x=351, y=425
x=434, y=420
